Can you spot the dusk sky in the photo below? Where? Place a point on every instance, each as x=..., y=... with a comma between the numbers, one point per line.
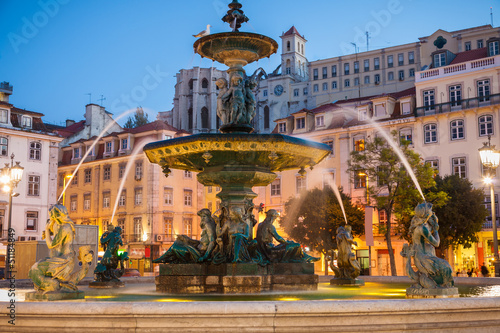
x=56, y=52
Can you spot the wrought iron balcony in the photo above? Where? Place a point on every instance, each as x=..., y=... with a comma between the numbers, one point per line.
x=458, y=105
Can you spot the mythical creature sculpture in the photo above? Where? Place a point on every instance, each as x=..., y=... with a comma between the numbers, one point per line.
x=56, y=272
x=347, y=266
x=222, y=105
x=187, y=250
x=236, y=102
x=432, y=272
x=107, y=270
x=286, y=251
x=227, y=238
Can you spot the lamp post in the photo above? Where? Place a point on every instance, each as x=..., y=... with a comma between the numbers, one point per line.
x=490, y=158
x=10, y=177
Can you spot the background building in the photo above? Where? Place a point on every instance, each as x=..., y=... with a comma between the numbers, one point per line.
x=116, y=177
x=23, y=134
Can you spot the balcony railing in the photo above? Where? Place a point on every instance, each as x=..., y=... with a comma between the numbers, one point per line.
x=459, y=105
x=488, y=225
x=474, y=65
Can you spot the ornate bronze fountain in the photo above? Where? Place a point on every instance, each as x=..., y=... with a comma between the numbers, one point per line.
x=236, y=160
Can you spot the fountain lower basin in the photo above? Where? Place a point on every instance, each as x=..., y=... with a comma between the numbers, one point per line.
x=143, y=310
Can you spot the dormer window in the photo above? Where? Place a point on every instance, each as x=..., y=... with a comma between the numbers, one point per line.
x=320, y=121
x=76, y=153
x=380, y=110
x=4, y=116
x=124, y=144
x=405, y=107
x=109, y=147
x=439, y=60
x=282, y=127
x=167, y=137
x=300, y=123
x=26, y=121
x=90, y=150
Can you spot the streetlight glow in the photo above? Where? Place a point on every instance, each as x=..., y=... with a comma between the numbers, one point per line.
x=490, y=158
x=10, y=176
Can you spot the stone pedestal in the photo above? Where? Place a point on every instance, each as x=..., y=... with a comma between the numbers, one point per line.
x=347, y=282
x=106, y=285
x=432, y=293
x=53, y=296
x=234, y=278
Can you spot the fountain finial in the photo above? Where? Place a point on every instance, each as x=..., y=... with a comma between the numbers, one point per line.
x=235, y=16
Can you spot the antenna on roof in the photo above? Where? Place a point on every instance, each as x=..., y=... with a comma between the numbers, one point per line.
x=367, y=39
x=102, y=99
x=90, y=97
x=491, y=14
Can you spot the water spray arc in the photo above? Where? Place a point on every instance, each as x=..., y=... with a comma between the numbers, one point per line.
x=113, y=122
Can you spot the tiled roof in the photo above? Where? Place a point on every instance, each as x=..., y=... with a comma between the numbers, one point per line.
x=470, y=55
x=403, y=93
x=292, y=31
x=153, y=126
x=26, y=112
x=301, y=111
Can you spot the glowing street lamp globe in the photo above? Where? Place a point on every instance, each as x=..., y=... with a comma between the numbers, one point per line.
x=16, y=173
x=490, y=157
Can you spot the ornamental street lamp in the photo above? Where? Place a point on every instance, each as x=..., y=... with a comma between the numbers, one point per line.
x=10, y=176
x=490, y=158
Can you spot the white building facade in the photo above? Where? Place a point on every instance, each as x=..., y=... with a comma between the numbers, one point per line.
x=23, y=134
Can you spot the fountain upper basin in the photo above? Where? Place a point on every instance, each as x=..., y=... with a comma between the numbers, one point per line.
x=232, y=48
x=272, y=152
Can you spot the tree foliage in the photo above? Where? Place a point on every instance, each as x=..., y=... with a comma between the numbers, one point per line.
x=140, y=118
x=313, y=218
x=390, y=186
x=463, y=215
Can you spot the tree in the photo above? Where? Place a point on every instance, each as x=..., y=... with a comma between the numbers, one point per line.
x=391, y=185
x=140, y=118
x=462, y=217
x=313, y=218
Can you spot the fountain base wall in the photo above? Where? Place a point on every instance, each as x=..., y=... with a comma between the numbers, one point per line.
x=235, y=278
x=437, y=315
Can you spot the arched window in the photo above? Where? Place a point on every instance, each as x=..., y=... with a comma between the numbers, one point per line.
x=190, y=84
x=204, y=83
x=485, y=125
x=204, y=117
x=288, y=46
x=266, y=117
x=298, y=47
x=288, y=68
x=190, y=119
x=302, y=47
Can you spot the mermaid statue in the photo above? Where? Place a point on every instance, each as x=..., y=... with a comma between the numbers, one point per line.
x=432, y=272
x=56, y=272
x=348, y=267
